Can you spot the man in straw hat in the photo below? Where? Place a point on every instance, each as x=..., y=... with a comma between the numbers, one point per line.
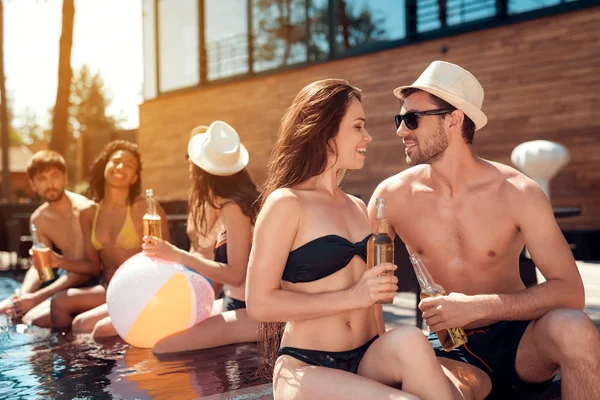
x=468, y=219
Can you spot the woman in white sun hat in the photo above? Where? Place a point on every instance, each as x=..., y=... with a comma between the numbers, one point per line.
x=202, y=242
x=222, y=198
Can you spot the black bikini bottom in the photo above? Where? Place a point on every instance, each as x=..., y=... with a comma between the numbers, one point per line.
x=345, y=360
x=231, y=304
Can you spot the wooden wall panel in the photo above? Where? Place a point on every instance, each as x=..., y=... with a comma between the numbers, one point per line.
x=541, y=81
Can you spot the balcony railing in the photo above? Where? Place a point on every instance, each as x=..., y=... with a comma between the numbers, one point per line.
x=312, y=31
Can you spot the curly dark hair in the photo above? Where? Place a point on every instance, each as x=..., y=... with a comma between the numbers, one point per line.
x=95, y=190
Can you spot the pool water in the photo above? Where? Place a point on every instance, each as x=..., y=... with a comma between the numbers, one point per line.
x=37, y=363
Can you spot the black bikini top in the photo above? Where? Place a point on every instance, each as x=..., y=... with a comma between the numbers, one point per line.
x=221, y=248
x=322, y=257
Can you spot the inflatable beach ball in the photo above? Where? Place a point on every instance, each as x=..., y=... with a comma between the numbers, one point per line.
x=151, y=298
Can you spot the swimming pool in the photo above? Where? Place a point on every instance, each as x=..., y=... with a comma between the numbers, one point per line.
x=37, y=363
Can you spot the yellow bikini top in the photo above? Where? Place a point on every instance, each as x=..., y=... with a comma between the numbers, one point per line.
x=128, y=237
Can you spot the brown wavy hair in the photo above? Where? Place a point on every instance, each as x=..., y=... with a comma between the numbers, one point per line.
x=44, y=160
x=300, y=153
x=95, y=190
x=206, y=189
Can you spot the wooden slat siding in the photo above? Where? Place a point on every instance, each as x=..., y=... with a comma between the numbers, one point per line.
x=541, y=79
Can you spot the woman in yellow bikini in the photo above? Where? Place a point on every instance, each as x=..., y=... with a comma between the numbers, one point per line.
x=113, y=232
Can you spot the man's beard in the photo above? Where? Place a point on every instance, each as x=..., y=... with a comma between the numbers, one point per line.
x=56, y=196
x=432, y=150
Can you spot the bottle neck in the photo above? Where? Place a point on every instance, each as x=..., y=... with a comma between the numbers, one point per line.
x=425, y=280
x=381, y=224
x=151, y=205
x=35, y=238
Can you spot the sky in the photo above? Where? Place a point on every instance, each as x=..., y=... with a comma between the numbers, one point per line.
x=107, y=37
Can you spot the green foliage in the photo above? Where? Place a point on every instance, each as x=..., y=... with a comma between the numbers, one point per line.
x=281, y=34
x=29, y=129
x=87, y=114
x=15, y=138
x=89, y=100
x=14, y=135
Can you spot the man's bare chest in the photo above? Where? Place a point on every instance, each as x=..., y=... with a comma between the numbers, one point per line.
x=65, y=233
x=482, y=231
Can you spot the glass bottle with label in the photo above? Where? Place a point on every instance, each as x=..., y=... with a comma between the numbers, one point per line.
x=152, y=221
x=380, y=247
x=449, y=338
x=41, y=256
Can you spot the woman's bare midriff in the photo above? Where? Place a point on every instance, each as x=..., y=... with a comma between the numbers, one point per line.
x=338, y=332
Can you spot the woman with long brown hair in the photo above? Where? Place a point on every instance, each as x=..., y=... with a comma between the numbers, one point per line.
x=202, y=235
x=307, y=267
x=222, y=196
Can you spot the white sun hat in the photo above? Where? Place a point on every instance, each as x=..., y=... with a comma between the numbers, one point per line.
x=454, y=85
x=219, y=150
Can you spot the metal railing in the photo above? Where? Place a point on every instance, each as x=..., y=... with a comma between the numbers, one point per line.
x=227, y=57
x=316, y=37
x=439, y=14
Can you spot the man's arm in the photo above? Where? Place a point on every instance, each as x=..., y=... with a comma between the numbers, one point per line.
x=29, y=300
x=82, y=267
x=551, y=253
x=26, y=301
x=552, y=256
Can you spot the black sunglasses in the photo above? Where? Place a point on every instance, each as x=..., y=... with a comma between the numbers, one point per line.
x=411, y=118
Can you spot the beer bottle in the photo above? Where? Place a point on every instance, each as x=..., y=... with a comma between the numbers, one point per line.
x=380, y=247
x=449, y=338
x=41, y=256
x=152, y=221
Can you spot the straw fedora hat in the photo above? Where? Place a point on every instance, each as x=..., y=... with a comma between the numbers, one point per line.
x=219, y=150
x=454, y=85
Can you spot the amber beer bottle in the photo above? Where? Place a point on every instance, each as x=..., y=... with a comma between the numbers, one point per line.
x=41, y=256
x=380, y=247
x=449, y=338
x=152, y=221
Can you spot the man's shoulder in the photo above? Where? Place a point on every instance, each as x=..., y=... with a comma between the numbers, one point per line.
x=403, y=181
x=79, y=202
x=38, y=214
x=514, y=182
